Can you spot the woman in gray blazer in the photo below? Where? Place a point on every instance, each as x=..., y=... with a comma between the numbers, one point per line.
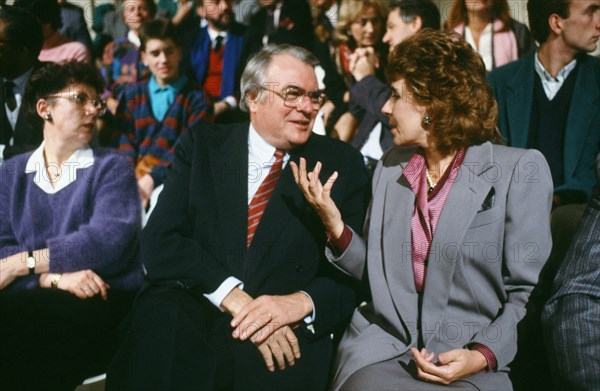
x=458, y=231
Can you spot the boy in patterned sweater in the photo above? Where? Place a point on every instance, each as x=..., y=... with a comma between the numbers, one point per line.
x=152, y=115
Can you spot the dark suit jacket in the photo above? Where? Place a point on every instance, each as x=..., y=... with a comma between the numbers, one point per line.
x=513, y=87
x=73, y=24
x=295, y=27
x=196, y=236
x=371, y=94
x=26, y=138
x=571, y=318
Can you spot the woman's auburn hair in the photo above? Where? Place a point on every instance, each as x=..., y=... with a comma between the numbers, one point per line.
x=447, y=77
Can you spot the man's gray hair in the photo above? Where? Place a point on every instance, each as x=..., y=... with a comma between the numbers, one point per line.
x=253, y=78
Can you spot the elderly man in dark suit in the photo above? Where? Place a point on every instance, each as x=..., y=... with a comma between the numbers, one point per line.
x=571, y=317
x=237, y=279
x=21, y=38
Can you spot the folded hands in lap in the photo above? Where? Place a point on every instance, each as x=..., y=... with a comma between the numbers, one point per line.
x=451, y=366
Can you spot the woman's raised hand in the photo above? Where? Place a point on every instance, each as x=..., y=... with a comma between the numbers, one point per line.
x=318, y=195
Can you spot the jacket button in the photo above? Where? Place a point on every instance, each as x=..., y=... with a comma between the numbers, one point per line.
x=299, y=268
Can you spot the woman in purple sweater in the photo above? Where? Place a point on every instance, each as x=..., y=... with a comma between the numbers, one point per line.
x=69, y=231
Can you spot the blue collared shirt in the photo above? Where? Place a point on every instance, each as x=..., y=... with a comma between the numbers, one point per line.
x=552, y=85
x=161, y=98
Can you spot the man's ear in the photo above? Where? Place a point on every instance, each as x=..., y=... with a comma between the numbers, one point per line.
x=252, y=99
x=417, y=24
x=556, y=23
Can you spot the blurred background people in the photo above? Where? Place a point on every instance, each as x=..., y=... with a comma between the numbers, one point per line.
x=121, y=58
x=74, y=25
x=360, y=25
x=215, y=56
x=280, y=21
x=488, y=27
x=56, y=47
x=405, y=18
x=21, y=40
x=69, y=231
x=437, y=196
x=151, y=115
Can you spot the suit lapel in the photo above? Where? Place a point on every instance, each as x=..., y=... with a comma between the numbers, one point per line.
x=396, y=242
x=518, y=104
x=584, y=105
x=229, y=168
x=466, y=196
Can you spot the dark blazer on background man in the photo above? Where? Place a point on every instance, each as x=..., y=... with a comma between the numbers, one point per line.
x=25, y=137
x=74, y=26
x=295, y=27
x=513, y=87
x=490, y=244
x=370, y=94
x=196, y=238
x=232, y=58
x=571, y=317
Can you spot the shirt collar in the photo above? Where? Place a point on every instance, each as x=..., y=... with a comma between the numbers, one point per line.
x=174, y=87
x=332, y=14
x=21, y=81
x=213, y=34
x=81, y=158
x=562, y=74
x=260, y=150
x=134, y=39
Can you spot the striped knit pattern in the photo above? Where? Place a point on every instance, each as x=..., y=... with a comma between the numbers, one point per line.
x=139, y=134
x=261, y=198
x=427, y=211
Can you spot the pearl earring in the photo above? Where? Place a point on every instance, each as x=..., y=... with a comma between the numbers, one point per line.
x=48, y=117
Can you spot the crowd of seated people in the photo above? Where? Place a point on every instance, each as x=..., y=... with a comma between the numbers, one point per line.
x=270, y=126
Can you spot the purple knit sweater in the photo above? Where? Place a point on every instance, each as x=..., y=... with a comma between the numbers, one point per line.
x=93, y=223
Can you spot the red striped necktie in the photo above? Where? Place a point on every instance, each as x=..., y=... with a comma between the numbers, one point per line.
x=261, y=198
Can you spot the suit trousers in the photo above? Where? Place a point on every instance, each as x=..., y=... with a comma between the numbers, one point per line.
x=176, y=339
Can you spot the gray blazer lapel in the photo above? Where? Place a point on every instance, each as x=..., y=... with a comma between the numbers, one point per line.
x=466, y=197
x=584, y=106
x=396, y=242
x=519, y=99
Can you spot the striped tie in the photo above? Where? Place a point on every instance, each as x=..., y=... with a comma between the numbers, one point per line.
x=261, y=198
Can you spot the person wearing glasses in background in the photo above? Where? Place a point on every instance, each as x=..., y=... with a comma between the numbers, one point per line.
x=69, y=239
x=238, y=292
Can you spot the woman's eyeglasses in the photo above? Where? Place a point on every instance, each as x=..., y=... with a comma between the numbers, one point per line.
x=82, y=99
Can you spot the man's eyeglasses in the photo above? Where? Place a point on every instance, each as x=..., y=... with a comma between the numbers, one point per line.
x=82, y=99
x=293, y=96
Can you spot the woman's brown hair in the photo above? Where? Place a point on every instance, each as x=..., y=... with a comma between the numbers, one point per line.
x=447, y=77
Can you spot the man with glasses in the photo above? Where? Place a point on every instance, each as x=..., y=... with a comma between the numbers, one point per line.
x=239, y=294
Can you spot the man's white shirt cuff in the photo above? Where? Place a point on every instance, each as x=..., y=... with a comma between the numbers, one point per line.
x=223, y=290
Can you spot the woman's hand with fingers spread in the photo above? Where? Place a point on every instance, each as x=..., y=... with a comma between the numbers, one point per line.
x=318, y=195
